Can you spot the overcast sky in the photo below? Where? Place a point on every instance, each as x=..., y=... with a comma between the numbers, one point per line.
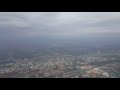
x=58, y=24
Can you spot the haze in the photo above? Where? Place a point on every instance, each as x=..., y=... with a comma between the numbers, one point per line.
x=43, y=28
x=59, y=45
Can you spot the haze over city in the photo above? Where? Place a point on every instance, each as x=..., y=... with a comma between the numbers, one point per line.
x=81, y=38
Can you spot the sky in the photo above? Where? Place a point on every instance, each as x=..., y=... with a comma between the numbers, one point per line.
x=63, y=24
x=22, y=25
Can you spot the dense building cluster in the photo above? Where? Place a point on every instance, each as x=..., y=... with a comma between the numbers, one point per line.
x=62, y=66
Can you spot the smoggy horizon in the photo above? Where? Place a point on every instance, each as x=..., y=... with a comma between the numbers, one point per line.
x=45, y=28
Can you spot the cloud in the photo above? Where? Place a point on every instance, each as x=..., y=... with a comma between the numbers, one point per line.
x=58, y=24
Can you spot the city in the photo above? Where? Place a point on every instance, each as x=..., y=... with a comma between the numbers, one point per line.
x=63, y=66
x=59, y=44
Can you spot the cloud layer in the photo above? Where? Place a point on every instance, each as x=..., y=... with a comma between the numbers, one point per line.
x=58, y=24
